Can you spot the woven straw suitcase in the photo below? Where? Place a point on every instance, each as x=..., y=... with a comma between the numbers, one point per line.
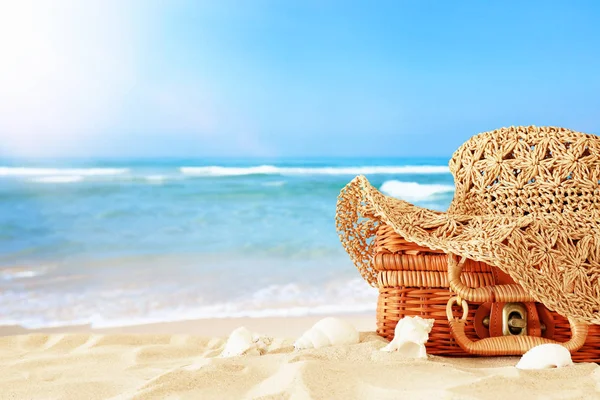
x=414, y=281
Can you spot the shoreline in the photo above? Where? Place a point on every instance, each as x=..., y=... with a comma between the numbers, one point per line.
x=286, y=327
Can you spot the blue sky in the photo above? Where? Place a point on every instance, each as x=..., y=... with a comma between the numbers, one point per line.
x=277, y=78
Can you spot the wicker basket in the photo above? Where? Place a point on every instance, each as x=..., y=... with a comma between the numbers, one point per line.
x=413, y=281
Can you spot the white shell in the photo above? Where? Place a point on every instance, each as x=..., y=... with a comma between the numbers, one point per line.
x=545, y=356
x=410, y=337
x=328, y=332
x=242, y=341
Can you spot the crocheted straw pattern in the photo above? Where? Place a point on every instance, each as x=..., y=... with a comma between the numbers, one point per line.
x=526, y=201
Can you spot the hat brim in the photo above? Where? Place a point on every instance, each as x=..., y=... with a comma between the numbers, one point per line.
x=555, y=257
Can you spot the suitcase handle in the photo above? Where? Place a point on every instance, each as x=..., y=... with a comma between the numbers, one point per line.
x=501, y=345
x=506, y=345
x=495, y=293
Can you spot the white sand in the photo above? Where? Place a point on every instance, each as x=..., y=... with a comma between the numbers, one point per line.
x=166, y=364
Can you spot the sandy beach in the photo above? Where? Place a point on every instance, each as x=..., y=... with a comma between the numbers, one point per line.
x=173, y=171
x=181, y=360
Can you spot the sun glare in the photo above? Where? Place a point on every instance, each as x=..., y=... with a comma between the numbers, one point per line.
x=62, y=70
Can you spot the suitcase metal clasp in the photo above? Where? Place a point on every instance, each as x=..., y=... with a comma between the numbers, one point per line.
x=514, y=319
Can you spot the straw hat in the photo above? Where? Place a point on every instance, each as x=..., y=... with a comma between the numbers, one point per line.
x=527, y=201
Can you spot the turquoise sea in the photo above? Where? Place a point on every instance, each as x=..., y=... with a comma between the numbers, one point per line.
x=119, y=242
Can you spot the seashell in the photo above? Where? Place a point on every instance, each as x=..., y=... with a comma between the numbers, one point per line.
x=410, y=337
x=545, y=356
x=244, y=342
x=328, y=332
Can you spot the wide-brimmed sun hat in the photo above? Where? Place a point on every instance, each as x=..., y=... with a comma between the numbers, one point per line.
x=527, y=201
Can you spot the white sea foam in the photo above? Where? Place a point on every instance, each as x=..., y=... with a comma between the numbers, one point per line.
x=53, y=172
x=229, y=171
x=275, y=183
x=10, y=274
x=212, y=171
x=59, y=179
x=286, y=300
x=216, y=311
x=413, y=191
x=156, y=178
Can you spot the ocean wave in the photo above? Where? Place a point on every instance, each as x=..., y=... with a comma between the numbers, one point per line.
x=229, y=171
x=59, y=179
x=156, y=178
x=413, y=191
x=140, y=177
x=215, y=171
x=274, y=183
x=54, y=172
x=218, y=311
x=12, y=273
x=278, y=300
